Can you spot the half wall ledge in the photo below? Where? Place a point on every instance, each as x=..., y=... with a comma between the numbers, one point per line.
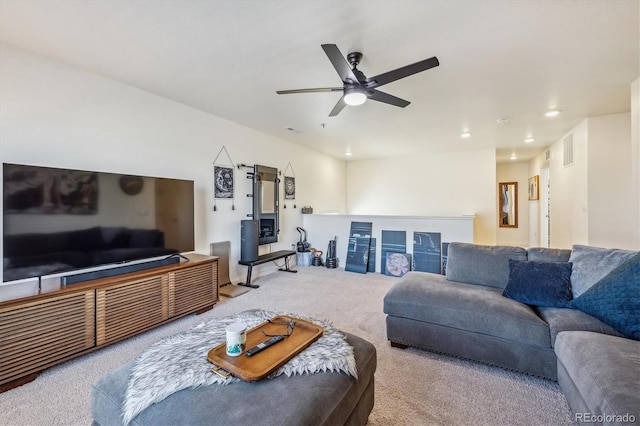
x=324, y=227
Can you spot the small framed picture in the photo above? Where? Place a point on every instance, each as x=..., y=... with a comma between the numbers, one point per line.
x=534, y=191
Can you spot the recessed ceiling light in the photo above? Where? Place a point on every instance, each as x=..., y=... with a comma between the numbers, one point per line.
x=513, y=156
x=552, y=113
x=529, y=139
x=348, y=154
x=465, y=135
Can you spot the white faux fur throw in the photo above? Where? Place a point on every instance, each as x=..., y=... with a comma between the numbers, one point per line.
x=180, y=361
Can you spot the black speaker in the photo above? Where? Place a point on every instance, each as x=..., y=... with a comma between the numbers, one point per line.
x=249, y=234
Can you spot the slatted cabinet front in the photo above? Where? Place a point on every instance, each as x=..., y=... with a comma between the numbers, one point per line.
x=39, y=334
x=126, y=309
x=193, y=288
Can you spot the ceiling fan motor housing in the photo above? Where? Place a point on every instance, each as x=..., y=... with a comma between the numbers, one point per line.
x=354, y=58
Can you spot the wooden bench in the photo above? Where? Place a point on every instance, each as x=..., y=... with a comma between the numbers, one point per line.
x=264, y=259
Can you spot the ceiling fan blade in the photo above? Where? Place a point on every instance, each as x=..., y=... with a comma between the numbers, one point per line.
x=316, y=90
x=339, y=107
x=379, y=96
x=399, y=73
x=340, y=63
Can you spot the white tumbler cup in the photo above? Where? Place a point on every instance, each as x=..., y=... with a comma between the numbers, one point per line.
x=236, y=338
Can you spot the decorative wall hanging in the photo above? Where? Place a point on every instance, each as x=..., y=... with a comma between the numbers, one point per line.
x=534, y=191
x=223, y=181
x=289, y=185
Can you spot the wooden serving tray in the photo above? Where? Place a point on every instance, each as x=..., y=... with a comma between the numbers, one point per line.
x=265, y=362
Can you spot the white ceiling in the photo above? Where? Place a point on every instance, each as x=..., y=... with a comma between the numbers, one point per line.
x=498, y=59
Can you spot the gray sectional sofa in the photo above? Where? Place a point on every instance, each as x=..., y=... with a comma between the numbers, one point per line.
x=526, y=310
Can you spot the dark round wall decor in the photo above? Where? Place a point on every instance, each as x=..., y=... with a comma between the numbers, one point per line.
x=131, y=185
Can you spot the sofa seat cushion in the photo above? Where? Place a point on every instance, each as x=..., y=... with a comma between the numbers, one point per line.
x=566, y=319
x=432, y=298
x=599, y=374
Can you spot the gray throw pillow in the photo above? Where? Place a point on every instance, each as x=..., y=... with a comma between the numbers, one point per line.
x=591, y=264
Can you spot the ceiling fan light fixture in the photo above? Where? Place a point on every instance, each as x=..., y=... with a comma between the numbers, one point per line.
x=354, y=96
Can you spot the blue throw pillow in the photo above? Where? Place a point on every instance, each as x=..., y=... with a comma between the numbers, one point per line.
x=591, y=264
x=615, y=299
x=539, y=283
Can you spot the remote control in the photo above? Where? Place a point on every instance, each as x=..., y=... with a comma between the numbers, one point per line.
x=264, y=345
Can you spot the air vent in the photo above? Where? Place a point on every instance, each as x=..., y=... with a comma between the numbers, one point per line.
x=547, y=155
x=567, y=149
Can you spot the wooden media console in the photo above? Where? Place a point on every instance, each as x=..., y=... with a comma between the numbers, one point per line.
x=38, y=332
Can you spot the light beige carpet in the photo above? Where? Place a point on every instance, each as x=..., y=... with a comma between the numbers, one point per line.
x=413, y=387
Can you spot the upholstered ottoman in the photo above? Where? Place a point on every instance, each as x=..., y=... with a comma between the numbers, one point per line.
x=310, y=399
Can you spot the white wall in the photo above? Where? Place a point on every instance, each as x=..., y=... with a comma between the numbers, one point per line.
x=569, y=192
x=610, y=191
x=635, y=159
x=594, y=201
x=515, y=172
x=448, y=184
x=55, y=115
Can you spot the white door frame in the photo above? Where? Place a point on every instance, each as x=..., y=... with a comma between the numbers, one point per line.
x=545, y=210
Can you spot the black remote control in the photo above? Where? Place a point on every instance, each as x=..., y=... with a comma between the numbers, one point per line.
x=264, y=345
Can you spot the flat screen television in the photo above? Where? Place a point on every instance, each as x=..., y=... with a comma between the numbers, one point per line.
x=61, y=220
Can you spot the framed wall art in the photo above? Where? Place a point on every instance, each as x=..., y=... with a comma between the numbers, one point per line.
x=534, y=191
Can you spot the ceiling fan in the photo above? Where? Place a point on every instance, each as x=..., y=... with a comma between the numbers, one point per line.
x=356, y=87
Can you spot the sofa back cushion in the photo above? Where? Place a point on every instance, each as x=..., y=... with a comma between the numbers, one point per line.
x=35, y=244
x=543, y=254
x=146, y=238
x=484, y=265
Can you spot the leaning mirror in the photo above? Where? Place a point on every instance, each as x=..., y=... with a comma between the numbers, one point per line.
x=508, y=204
